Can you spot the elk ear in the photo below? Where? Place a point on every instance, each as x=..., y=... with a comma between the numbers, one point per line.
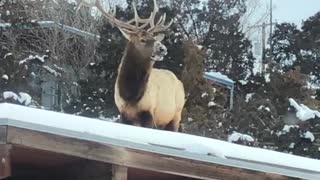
x=125, y=33
x=159, y=37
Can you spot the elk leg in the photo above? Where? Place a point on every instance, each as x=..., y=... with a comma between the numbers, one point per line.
x=174, y=125
x=146, y=119
x=124, y=119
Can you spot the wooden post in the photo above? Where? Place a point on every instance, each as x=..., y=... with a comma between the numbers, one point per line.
x=119, y=172
x=5, y=161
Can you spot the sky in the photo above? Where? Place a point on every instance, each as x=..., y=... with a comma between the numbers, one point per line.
x=294, y=10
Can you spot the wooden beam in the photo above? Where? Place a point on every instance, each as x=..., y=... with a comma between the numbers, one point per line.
x=3, y=134
x=119, y=172
x=129, y=157
x=5, y=161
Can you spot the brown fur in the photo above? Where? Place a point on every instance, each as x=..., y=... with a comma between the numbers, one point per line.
x=146, y=96
x=133, y=75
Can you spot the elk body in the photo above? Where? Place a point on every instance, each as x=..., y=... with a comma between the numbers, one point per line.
x=145, y=96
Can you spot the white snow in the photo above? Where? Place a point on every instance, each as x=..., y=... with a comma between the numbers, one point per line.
x=267, y=77
x=52, y=71
x=5, y=77
x=249, y=96
x=235, y=136
x=264, y=107
x=6, y=55
x=112, y=119
x=303, y=112
x=201, y=146
x=10, y=94
x=243, y=82
x=5, y=25
x=211, y=104
x=190, y=119
x=40, y=58
x=199, y=47
x=204, y=95
x=24, y=98
x=287, y=128
x=291, y=146
x=57, y=67
x=309, y=135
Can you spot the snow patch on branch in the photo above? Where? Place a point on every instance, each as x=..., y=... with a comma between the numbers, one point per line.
x=243, y=82
x=31, y=57
x=304, y=112
x=249, y=97
x=9, y=95
x=23, y=98
x=6, y=55
x=52, y=71
x=211, y=104
x=309, y=135
x=6, y=77
x=267, y=78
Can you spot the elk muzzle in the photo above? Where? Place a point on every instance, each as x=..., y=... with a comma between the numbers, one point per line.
x=159, y=51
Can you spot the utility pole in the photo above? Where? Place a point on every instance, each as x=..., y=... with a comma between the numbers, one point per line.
x=263, y=27
x=263, y=40
x=271, y=46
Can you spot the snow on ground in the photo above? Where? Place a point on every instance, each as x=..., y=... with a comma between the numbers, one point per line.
x=144, y=136
x=235, y=136
x=111, y=119
x=303, y=112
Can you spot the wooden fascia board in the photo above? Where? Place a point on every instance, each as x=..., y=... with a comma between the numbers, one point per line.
x=128, y=157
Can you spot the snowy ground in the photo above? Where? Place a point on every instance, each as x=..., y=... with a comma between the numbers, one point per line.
x=190, y=143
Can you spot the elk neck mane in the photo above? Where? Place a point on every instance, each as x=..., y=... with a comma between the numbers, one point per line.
x=133, y=74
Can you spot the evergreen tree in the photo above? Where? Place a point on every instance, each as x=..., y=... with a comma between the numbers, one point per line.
x=229, y=49
x=286, y=50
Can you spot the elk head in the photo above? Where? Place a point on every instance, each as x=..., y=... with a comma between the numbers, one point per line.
x=146, y=41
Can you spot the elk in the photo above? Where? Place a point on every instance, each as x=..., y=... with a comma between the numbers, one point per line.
x=145, y=96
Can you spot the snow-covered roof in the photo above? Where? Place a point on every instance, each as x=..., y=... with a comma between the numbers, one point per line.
x=171, y=143
x=217, y=76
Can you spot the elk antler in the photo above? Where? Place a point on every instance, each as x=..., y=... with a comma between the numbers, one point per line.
x=159, y=27
x=127, y=27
